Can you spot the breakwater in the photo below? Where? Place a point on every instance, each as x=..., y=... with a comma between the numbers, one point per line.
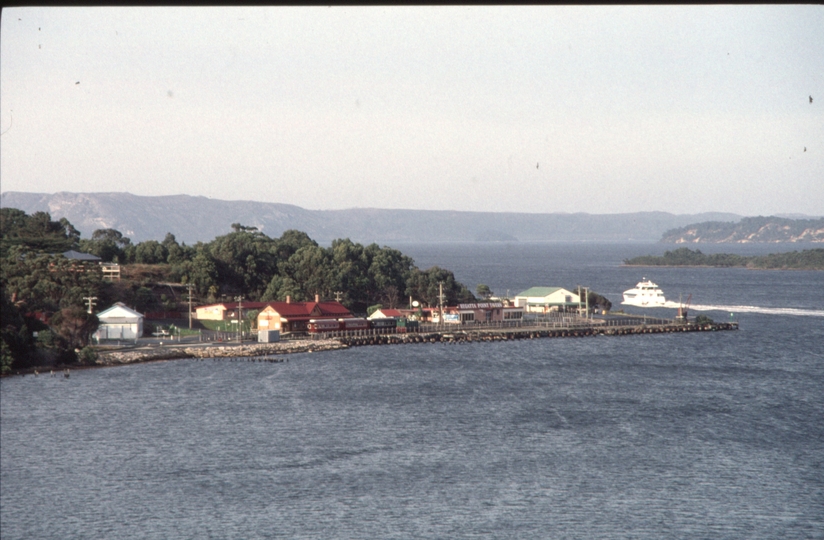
x=461, y=336
x=217, y=351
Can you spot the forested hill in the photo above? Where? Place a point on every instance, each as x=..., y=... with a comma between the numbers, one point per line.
x=194, y=219
x=244, y=262
x=749, y=230
x=808, y=259
x=38, y=282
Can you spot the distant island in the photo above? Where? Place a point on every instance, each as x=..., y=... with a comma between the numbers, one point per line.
x=759, y=229
x=808, y=259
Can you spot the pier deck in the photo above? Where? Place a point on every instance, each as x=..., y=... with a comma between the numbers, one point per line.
x=469, y=334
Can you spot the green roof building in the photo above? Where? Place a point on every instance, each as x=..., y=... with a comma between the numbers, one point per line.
x=544, y=299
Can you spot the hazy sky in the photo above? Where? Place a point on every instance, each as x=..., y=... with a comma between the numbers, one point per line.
x=527, y=109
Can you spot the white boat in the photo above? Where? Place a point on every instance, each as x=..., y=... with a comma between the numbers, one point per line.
x=645, y=294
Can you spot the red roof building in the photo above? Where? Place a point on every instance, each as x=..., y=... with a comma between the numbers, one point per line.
x=294, y=316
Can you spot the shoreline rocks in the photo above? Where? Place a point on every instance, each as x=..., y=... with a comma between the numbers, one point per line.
x=218, y=351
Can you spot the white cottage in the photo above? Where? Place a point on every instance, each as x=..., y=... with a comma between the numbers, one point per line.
x=119, y=322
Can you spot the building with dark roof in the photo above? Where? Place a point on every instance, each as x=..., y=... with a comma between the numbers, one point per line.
x=291, y=316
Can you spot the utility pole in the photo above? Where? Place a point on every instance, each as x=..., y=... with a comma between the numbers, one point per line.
x=91, y=301
x=586, y=292
x=239, y=318
x=189, y=286
x=579, y=300
x=440, y=300
x=338, y=295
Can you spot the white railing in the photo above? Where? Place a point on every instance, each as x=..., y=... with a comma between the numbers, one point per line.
x=554, y=322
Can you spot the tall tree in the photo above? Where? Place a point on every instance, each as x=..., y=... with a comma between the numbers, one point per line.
x=37, y=232
x=310, y=268
x=484, y=291
x=16, y=341
x=75, y=325
x=48, y=282
x=424, y=285
x=108, y=244
x=245, y=260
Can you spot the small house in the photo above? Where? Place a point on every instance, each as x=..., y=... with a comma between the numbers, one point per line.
x=386, y=313
x=119, y=322
x=225, y=311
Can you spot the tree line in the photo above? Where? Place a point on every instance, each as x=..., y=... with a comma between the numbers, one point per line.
x=808, y=259
x=244, y=262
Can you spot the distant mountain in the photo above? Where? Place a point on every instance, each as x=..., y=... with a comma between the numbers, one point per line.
x=193, y=219
x=748, y=230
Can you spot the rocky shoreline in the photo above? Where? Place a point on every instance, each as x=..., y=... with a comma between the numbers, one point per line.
x=218, y=351
x=179, y=352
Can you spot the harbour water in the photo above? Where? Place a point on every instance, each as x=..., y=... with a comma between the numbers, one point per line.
x=708, y=435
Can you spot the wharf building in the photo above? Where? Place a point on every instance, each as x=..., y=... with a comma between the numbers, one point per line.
x=285, y=316
x=547, y=299
x=482, y=312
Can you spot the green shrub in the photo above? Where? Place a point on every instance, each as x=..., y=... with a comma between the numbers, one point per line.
x=703, y=319
x=87, y=355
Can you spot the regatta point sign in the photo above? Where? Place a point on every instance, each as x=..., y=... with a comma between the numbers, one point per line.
x=481, y=305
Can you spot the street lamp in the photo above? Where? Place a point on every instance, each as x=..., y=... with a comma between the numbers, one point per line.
x=239, y=318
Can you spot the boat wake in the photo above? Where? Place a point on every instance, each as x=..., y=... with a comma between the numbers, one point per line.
x=666, y=304
x=799, y=312
x=755, y=309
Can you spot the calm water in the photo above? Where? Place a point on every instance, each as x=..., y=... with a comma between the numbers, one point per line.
x=716, y=435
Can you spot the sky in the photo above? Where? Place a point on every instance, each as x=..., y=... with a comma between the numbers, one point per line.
x=506, y=109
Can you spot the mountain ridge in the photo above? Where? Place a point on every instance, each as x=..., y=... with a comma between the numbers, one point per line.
x=197, y=218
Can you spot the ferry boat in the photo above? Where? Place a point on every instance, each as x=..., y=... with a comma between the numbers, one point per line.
x=645, y=294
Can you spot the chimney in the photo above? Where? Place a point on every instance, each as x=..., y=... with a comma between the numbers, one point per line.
x=288, y=299
x=317, y=298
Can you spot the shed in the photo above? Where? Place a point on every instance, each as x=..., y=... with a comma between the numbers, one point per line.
x=119, y=322
x=385, y=313
x=226, y=310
